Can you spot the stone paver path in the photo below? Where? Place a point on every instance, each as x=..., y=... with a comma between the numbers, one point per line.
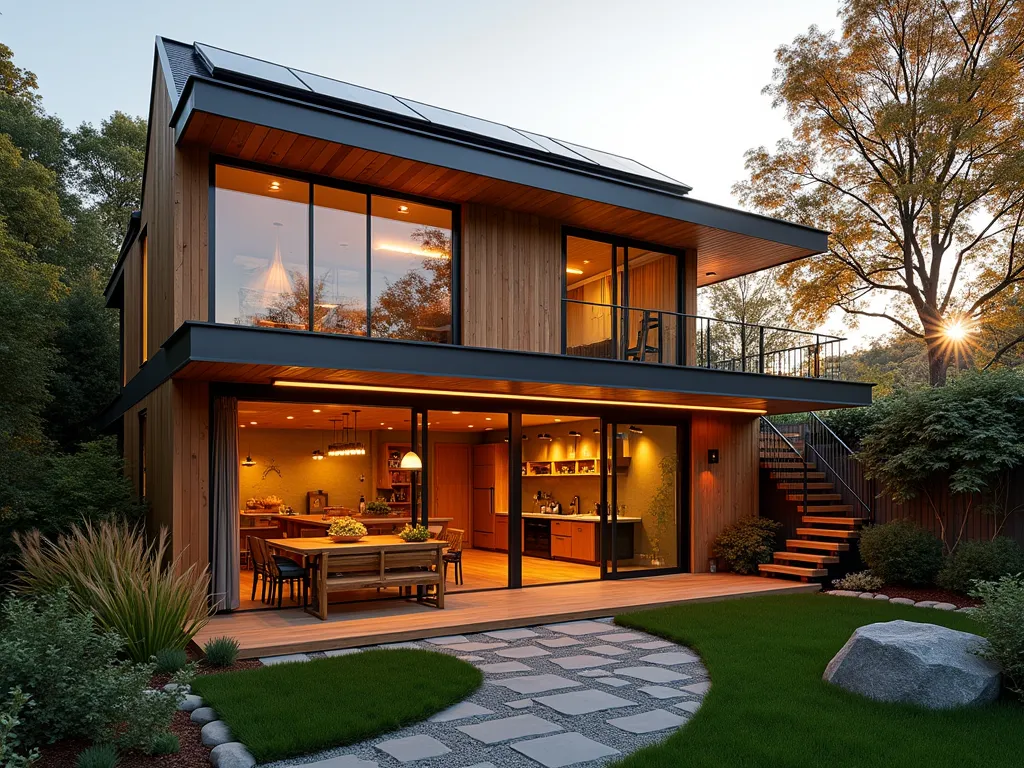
x=578, y=693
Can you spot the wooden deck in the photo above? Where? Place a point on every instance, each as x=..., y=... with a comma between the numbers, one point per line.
x=268, y=633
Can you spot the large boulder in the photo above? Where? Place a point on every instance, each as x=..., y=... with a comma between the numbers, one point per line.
x=913, y=663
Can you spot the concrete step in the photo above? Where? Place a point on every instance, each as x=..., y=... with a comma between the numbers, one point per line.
x=828, y=533
x=817, y=546
x=793, y=570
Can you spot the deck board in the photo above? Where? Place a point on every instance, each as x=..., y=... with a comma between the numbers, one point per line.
x=266, y=633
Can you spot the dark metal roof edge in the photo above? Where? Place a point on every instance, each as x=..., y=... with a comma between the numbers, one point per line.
x=131, y=233
x=237, y=102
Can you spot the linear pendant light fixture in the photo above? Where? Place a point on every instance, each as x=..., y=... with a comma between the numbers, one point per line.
x=505, y=396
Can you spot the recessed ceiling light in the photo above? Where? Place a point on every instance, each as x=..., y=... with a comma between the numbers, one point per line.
x=403, y=209
x=557, y=419
x=253, y=423
x=242, y=426
x=390, y=427
x=573, y=271
x=289, y=417
x=470, y=426
x=487, y=418
x=382, y=423
x=456, y=413
x=488, y=429
x=275, y=186
x=316, y=410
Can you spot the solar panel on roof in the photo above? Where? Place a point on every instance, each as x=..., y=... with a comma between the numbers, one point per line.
x=617, y=162
x=367, y=97
x=462, y=122
x=553, y=146
x=250, y=67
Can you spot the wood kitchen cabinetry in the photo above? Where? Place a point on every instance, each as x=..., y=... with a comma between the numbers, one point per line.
x=490, y=493
x=501, y=533
x=574, y=541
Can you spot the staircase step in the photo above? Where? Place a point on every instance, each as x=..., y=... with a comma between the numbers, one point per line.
x=851, y=522
x=828, y=533
x=779, y=464
x=798, y=475
x=793, y=570
x=818, y=546
x=837, y=508
x=808, y=557
x=814, y=497
x=788, y=485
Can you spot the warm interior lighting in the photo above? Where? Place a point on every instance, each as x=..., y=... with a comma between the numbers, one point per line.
x=248, y=461
x=316, y=410
x=289, y=417
x=573, y=271
x=411, y=460
x=505, y=396
x=253, y=423
x=635, y=430
x=574, y=433
x=275, y=186
x=544, y=436
x=410, y=250
x=713, y=455
x=403, y=209
x=318, y=455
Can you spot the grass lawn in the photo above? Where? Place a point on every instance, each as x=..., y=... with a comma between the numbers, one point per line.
x=768, y=705
x=294, y=709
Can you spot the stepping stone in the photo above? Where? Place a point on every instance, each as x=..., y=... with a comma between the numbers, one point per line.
x=418, y=747
x=594, y=673
x=447, y=640
x=495, y=731
x=511, y=634
x=652, y=645
x=471, y=658
x=342, y=652
x=584, y=702
x=471, y=647
x=688, y=706
x=559, y=642
x=652, y=674
x=584, y=661
x=698, y=689
x=269, y=661
x=519, y=703
x=662, y=692
x=622, y=637
x=461, y=711
x=614, y=682
x=670, y=659
x=395, y=646
x=344, y=761
x=606, y=650
x=523, y=652
x=648, y=722
x=563, y=749
x=531, y=684
x=578, y=627
x=503, y=666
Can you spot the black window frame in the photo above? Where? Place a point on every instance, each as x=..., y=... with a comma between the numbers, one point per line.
x=314, y=180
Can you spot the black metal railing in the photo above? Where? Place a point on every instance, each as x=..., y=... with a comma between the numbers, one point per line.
x=778, y=449
x=620, y=332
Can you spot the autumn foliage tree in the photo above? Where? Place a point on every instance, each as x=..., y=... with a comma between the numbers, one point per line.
x=908, y=145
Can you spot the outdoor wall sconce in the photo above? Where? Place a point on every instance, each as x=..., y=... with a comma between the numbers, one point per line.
x=712, y=455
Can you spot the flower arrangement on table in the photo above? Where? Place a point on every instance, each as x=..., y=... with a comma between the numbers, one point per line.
x=417, y=533
x=346, y=529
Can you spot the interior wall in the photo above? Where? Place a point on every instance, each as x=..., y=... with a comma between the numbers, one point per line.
x=721, y=493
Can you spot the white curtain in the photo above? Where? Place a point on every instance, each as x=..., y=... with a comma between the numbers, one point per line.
x=224, y=508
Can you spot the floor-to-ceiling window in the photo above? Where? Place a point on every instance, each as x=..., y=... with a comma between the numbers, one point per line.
x=291, y=254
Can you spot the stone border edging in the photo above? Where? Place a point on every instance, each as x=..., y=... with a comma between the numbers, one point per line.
x=898, y=600
x=215, y=733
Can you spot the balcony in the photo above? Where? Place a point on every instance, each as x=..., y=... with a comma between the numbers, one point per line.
x=619, y=332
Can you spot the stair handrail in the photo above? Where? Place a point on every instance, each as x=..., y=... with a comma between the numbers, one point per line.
x=809, y=444
x=802, y=456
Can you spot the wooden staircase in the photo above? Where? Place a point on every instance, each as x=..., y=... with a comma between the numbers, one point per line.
x=829, y=527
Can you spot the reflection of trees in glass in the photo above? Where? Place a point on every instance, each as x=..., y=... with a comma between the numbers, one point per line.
x=418, y=305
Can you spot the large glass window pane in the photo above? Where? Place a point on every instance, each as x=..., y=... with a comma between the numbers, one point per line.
x=588, y=287
x=261, y=249
x=649, y=334
x=339, y=261
x=411, y=273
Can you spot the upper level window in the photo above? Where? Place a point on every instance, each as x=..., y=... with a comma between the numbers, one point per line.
x=378, y=266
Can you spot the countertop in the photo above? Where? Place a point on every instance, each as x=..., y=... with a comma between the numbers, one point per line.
x=572, y=518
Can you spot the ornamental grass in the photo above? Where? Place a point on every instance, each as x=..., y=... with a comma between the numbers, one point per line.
x=130, y=586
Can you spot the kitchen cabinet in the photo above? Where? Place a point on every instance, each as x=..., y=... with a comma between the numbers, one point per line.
x=483, y=512
x=561, y=546
x=501, y=533
x=584, y=542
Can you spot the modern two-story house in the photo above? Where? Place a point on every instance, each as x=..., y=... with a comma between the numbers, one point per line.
x=324, y=279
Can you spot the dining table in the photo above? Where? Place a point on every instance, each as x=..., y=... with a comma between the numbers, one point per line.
x=372, y=557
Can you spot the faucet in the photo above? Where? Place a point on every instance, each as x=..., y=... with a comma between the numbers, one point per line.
x=574, y=505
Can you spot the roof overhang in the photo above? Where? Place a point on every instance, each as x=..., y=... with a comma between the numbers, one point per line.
x=347, y=366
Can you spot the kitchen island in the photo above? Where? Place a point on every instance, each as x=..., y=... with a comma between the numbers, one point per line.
x=566, y=537
x=293, y=525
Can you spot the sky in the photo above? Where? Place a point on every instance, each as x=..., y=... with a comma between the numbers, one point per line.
x=675, y=84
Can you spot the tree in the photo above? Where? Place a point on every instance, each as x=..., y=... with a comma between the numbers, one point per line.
x=418, y=305
x=109, y=164
x=908, y=144
x=15, y=81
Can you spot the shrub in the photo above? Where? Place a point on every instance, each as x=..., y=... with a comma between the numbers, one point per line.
x=165, y=743
x=170, y=660
x=9, y=741
x=864, y=581
x=980, y=561
x=76, y=675
x=97, y=756
x=129, y=585
x=901, y=553
x=1000, y=612
x=221, y=651
x=747, y=543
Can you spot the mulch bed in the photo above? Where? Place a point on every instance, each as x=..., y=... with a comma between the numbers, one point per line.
x=193, y=754
x=917, y=594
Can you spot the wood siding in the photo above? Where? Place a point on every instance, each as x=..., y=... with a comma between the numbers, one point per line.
x=511, y=280
x=721, y=493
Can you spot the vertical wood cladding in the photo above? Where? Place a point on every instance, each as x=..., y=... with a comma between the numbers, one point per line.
x=721, y=493
x=511, y=280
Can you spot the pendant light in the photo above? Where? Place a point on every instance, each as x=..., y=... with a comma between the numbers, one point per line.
x=318, y=454
x=334, y=448
x=358, y=449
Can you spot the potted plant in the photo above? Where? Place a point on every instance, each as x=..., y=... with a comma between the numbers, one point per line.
x=417, y=533
x=346, y=529
x=378, y=508
x=662, y=507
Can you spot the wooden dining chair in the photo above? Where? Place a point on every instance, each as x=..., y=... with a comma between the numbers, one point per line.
x=454, y=554
x=259, y=565
x=279, y=570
